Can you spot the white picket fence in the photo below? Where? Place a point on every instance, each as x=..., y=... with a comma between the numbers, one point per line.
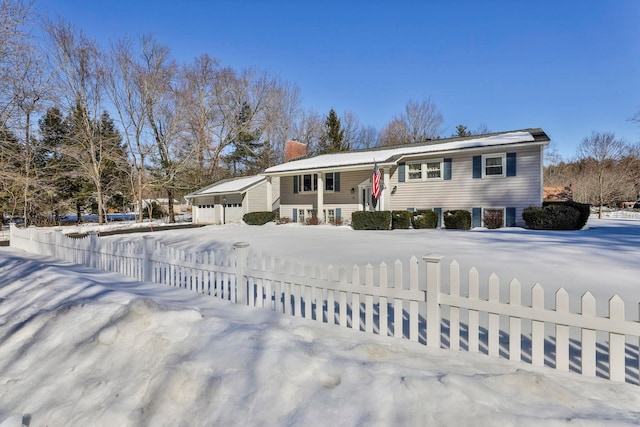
x=380, y=301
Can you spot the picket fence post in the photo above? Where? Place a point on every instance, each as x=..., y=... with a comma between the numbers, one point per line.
x=433, y=299
x=240, y=249
x=147, y=266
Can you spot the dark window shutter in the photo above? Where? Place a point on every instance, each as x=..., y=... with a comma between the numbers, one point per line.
x=511, y=164
x=336, y=181
x=401, y=172
x=447, y=168
x=295, y=184
x=439, y=212
x=511, y=217
x=295, y=215
x=476, y=217
x=477, y=166
x=338, y=212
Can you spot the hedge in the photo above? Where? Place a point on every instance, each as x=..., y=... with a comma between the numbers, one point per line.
x=458, y=219
x=258, y=218
x=363, y=220
x=401, y=219
x=552, y=217
x=582, y=208
x=424, y=219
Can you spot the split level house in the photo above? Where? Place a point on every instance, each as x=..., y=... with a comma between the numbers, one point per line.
x=498, y=172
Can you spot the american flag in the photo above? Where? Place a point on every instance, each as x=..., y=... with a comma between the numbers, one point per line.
x=375, y=184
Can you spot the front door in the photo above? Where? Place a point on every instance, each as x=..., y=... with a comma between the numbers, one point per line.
x=364, y=196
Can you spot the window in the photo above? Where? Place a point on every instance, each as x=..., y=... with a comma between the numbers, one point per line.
x=434, y=170
x=493, y=165
x=414, y=171
x=329, y=181
x=306, y=183
x=331, y=216
x=430, y=169
x=301, y=215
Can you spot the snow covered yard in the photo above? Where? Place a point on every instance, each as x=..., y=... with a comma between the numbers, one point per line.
x=82, y=347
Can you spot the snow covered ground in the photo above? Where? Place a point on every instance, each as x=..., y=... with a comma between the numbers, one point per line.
x=82, y=347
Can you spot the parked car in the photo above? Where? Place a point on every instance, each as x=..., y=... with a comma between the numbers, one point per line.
x=637, y=205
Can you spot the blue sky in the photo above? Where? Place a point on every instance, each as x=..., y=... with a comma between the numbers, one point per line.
x=569, y=67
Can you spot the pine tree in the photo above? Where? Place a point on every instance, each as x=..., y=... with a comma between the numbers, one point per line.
x=332, y=140
x=247, y=148
x=461, y=131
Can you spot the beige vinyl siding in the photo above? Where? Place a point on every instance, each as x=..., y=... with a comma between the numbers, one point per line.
x=348, y=180
x=465, y=192
x=346, y=201
x=256, y=199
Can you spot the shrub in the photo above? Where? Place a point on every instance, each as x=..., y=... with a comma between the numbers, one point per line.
x=493, y=219
x=363, y=220
x=552, y=217
x=424, y=219
x=582, y=208
x=401, y=219
x=283, y=220
x=459, y=219
x=258, y=218
x=313, y=220
x=337, y=221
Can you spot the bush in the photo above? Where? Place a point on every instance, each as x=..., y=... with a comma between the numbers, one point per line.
x=424, y=219
x=583, y=208
x=258, y=218
x=363, y=220
x=493, y=219
x=552, y=217
x=312, y=221
x=459, y=219
x=401, y=219
x=337, y=221
x=283, y=220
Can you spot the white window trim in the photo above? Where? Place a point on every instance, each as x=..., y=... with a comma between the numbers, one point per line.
x=441, y=163
x=334, y=181
x=503, y=156
x=408, y=171
x=423, y=170
x=300, y=179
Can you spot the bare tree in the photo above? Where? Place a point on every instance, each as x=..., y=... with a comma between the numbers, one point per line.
x=396, y=132
x=125, y=91
x=308, y=130
x=423, y=120
x=279, y=120
x=198, y=95
x=30, y=88
x=80, y=74
x=14, y=14
x=159, y=94
x=600, y=155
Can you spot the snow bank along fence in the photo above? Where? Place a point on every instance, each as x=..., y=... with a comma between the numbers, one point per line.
x=417, y=308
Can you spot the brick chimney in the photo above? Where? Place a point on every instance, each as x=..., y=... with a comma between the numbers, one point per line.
x=294, y=149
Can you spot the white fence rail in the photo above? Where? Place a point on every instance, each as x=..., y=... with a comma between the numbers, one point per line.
x=414, y=307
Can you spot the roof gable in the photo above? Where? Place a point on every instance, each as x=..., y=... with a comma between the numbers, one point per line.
x=230, y=186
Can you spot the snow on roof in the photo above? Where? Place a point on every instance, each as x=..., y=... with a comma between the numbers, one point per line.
x=355, y=158
x=235, y=185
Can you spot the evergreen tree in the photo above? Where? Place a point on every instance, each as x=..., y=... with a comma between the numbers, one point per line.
x=462, y=130
x=332, y=140
x=247, y=148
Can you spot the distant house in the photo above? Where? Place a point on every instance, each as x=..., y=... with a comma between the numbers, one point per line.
x=178, y=207
x=558, y=194
x=228, y=200
x=498, y=172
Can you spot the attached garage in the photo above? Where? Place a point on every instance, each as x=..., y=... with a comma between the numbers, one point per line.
x=228, y=200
